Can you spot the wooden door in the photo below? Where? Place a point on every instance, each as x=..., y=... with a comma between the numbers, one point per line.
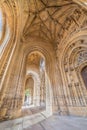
x=84, y=75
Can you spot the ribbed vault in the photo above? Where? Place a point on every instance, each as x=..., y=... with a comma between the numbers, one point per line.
x=51, y=30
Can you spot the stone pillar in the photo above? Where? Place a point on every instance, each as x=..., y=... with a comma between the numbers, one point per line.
x=36, y=99
x=48, y=95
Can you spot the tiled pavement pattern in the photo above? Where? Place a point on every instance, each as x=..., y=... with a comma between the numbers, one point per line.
x=61, y=123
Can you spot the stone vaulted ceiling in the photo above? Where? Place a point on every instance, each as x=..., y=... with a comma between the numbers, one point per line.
x=44, y=18
x=55, y=29
x=53, y=20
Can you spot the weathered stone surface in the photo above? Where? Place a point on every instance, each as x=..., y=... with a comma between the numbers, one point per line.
x=46, y=42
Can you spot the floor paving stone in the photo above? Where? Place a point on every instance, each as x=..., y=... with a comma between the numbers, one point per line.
x=61, y=123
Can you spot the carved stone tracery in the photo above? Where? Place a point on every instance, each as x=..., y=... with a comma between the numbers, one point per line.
x=55, y=31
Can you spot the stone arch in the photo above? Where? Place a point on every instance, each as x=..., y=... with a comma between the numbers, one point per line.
x=71, y=70
x=48, y=83
x=9, y=43
x=36, y=79
x=52, y=69
x=28, y=93
x=44, y=48
x=48, y=53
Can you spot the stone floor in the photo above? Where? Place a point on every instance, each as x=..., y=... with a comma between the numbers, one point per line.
x=40, y=122
x=31, y=110
x=61, y=123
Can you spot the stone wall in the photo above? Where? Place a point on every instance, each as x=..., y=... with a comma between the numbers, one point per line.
x=57, y=31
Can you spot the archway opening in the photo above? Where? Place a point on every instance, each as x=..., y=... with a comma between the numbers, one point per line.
x=40, y=98
x=36, y=66
x=29, y=88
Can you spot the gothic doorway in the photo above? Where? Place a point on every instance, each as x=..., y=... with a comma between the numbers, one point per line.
x=84, y=75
